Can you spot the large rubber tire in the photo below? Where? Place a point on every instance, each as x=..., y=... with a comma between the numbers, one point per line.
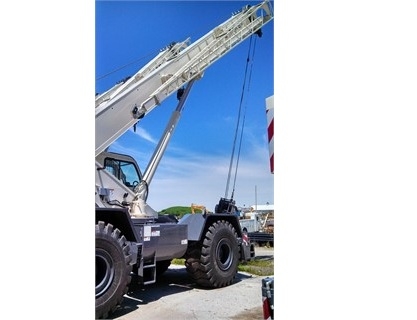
x=213, y=263
x=112, y=269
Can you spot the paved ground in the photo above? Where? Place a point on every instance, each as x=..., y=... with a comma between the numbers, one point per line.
x=176, y=297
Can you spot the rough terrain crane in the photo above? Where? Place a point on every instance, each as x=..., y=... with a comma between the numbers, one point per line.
x=131, y=237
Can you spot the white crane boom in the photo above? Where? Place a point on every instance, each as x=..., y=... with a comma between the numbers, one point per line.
x=119, y=108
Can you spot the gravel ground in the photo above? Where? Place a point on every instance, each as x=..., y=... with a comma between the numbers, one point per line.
x=176, y=297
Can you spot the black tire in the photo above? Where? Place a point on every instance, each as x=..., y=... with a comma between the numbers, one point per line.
x=112, y=269
x=162, y=266
x=214, y=262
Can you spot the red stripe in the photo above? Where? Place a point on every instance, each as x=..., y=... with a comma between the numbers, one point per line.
x=270, y=136
x=271, y=130
x=265, y=307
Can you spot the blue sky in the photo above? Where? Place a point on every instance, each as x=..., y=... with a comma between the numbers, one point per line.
x=195, y=166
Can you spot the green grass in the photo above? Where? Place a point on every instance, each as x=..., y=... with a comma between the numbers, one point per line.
x=256, y=267
x=178, y=261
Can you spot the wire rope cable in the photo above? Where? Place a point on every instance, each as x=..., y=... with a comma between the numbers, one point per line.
x=243, y=123
x=125, y=66
x=238, y=126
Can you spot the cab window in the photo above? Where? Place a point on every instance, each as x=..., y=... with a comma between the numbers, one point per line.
x=124, y=171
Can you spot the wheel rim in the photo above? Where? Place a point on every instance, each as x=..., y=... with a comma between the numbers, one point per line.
x=104, y=271
x=224, y=255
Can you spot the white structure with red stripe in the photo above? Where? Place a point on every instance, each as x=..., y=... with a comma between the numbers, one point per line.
x=270, y=128
x=268, y=298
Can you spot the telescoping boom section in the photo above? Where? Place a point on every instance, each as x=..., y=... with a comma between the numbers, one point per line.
x=119, y=108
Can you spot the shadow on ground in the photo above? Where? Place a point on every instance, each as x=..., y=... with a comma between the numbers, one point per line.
x=174, y=280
